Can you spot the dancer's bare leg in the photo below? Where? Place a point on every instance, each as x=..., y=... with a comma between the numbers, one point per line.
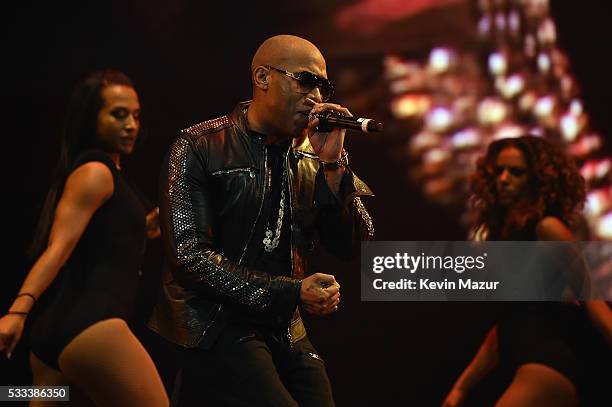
x=44, y=375
x=112, y=367
x=536, y=385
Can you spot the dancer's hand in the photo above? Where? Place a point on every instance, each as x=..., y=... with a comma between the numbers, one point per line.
x=320, y=294
x=11, y=328
x=601, y=315
x=455, y=398
x=152, y=224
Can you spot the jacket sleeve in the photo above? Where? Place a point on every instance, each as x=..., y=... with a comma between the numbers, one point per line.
x=187, y=228
x=343, y=222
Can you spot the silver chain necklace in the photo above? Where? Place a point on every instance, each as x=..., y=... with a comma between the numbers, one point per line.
x=273, y=238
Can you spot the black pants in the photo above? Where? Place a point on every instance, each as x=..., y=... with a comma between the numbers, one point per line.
x=253, y=367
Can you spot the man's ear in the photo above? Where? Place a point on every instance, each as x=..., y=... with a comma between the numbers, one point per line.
x=260, y=77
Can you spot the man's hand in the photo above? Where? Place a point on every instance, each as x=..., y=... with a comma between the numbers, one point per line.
x=320, y=294
x=328, y=146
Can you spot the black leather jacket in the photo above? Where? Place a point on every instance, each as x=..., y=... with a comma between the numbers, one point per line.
x=213, y=182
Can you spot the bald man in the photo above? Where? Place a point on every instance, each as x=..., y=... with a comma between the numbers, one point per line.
x=243, y=198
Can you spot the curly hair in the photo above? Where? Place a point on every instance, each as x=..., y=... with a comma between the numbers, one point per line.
x=555, y=188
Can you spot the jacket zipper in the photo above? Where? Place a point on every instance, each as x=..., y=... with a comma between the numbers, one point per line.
x=290, y=186
x=301, y=154
x=251, y=171
x=263, y=195
x=210, y=322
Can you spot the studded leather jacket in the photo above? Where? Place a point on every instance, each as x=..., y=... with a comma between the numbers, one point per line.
x=213, y=183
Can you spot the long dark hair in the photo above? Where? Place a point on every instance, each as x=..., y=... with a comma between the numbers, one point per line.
x=79, y=133
x=555, y=188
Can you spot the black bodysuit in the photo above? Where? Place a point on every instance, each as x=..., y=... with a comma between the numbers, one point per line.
x=556, y=334
x=100, y=279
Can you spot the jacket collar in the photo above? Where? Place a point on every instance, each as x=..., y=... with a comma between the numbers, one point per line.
x=239, y=117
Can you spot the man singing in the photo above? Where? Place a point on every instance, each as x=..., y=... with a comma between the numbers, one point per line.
x=243, y=197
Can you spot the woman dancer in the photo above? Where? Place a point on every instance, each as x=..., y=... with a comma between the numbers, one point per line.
x=90, y=244
x=526, y=189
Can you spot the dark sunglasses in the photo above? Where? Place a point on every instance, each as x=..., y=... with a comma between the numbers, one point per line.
x=307, y=81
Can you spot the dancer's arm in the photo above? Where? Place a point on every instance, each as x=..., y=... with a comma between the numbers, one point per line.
x=86, y=189
x=486, y=359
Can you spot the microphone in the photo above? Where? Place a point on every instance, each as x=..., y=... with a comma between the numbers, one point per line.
x=330, y=119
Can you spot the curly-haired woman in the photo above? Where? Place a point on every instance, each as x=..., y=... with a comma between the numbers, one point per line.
x=526, y=189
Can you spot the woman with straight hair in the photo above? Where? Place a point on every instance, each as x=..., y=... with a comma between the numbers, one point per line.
x=89, y=246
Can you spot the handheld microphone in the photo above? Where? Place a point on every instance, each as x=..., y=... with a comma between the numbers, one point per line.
x=330, y=120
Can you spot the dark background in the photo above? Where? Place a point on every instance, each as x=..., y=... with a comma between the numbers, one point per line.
x=190, y=61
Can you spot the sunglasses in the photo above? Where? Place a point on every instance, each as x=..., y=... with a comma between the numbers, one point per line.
x=307, y=81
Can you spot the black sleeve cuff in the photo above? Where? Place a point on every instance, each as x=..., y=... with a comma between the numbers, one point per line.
x=287, y=297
